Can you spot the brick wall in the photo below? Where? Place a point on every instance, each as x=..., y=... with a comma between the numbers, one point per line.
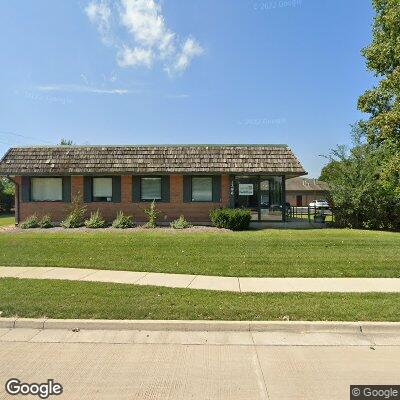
x=193, y=212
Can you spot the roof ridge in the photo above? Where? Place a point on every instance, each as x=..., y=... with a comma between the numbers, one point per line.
x=155, y=145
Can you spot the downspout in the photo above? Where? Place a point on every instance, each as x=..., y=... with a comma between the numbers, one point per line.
x=17, y=199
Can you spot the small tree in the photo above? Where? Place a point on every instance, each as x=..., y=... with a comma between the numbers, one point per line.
x=152, y=213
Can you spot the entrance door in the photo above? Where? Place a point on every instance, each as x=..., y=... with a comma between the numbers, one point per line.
x=299, y=200
x=246, y=195
x=271, y=198
x=262, y=195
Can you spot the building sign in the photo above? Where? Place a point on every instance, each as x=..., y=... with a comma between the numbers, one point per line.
x=246, y=189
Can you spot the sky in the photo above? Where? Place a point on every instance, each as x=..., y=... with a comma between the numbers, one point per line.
x=175, y=71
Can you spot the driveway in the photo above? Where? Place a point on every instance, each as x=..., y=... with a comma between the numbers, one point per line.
x=108, y=364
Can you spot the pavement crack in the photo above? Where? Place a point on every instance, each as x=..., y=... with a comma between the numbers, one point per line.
x=259, y=371
x=191, y=281
x=142, y=277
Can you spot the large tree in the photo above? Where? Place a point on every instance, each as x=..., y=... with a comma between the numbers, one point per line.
x=382, y=102
x=383, y=58
x=360, y=198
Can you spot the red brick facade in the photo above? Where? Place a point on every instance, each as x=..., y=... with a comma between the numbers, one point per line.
x=193, y=212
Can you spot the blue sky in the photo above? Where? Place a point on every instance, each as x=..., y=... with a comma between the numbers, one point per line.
x=198, y=71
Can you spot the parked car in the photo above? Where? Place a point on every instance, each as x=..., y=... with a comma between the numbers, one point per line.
x=319, y=204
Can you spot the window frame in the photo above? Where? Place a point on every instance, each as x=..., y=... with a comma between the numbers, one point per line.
x=191, y=189
x=112, y=190
x=141, y=189
x=45, y=177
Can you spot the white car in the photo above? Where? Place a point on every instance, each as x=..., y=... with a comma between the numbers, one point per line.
x=319, y=204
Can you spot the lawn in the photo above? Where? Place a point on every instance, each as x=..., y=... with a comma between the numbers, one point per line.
x=6, y=220
x=273, y=252
x=64, y=299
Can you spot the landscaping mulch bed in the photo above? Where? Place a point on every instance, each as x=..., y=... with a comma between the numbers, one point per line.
x=140, y=228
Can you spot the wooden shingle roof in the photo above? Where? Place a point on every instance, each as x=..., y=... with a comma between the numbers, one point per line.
x=150, y=159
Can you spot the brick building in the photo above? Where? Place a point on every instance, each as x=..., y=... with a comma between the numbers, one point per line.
x=182, y=179
x=300, y=192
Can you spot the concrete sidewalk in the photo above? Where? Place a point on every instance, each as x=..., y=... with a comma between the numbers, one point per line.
x=202, y=365
x=233, y=284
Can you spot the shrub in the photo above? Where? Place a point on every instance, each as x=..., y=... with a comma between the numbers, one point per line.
x=235, y=219
x=45, y=222
x=123, y=221
x=152, y=214
x=31, y=222
x=76, y=216
x=180, y=223
x=95, y=221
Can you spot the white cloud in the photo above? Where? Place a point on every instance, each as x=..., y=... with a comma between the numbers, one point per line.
x=190, y=49
x=99, y=13
x=128, y=57
x=149, y=37
x=79, y=89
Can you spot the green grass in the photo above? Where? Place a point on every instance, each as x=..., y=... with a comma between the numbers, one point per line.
x=274, y=252
x=64, y=299
x=6, y=220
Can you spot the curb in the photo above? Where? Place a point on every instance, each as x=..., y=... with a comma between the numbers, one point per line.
x=213, y=326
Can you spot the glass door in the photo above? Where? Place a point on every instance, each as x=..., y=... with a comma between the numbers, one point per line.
x=271, y=198
x=246, y=194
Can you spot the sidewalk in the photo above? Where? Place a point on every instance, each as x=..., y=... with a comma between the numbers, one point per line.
x=233, y=284
x=308, y=362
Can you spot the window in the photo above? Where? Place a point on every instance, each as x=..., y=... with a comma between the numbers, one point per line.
x=46, y=189
x=202, y=188
x=150, y=188
x=102, y=189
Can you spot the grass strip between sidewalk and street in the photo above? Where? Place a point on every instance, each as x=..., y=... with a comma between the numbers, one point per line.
x=89, y=300
x=264, y=253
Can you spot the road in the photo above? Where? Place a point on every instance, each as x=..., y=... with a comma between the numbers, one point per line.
x=161, y=365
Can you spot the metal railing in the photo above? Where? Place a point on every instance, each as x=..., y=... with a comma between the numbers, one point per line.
x=310, y=214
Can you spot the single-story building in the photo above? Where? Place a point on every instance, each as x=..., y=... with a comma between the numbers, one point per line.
x=183, y=179
x=300, y=191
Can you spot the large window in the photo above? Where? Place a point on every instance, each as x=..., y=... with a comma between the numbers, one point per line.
x=46, y=189
x=102, y=189
x=150, y=188
x=202, y=188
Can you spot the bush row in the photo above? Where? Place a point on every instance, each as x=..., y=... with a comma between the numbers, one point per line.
x=233, y=219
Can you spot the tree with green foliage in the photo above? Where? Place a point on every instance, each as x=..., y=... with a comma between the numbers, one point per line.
x=360, y=197
x=328, y=170
x=66, y=142
x=382, y=102
x=6, y=195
